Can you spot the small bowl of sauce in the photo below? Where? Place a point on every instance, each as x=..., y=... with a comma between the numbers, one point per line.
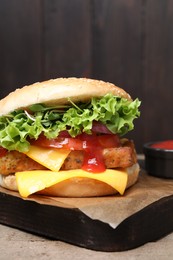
x=159, y=158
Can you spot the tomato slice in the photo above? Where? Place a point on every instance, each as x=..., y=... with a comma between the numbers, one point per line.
x=109, y=141
x=59, y=142
x=74, y=144
x=81, y=142
x=3, y=151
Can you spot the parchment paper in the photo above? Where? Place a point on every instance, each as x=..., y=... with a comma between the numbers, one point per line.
x=113, y=209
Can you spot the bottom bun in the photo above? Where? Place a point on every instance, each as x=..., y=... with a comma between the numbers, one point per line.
x=76, y=187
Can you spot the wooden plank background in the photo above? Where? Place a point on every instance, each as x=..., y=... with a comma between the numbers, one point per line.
x=127, y=42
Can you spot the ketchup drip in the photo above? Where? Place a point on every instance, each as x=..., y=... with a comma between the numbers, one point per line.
x=93, y=156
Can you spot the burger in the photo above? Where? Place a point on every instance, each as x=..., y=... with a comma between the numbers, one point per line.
x=65, y=137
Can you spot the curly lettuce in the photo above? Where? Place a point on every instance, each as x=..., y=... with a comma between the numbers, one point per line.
x=18, y=127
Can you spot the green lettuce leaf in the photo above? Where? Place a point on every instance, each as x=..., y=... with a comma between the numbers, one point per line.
x=17, y=127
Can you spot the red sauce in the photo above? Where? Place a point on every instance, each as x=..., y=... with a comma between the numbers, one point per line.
x=93, y=155
x=91, y=145
x=166, y=145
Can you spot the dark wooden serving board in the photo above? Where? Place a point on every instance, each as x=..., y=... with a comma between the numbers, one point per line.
x=72, y=226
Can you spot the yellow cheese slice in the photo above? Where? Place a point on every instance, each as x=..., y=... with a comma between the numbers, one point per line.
x=49, y=157
x=30, y=182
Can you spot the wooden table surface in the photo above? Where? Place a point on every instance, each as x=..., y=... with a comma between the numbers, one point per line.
x=19, y=245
